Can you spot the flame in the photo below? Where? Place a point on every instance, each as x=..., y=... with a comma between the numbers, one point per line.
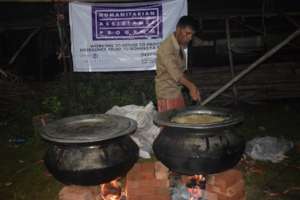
x=111, y=190
x=194, y=186
x=198, y=178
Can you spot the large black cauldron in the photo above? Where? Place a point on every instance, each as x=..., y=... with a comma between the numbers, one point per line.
x=90, y=149
x=199, y=149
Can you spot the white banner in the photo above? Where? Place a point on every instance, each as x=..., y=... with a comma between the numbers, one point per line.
x=121, y=36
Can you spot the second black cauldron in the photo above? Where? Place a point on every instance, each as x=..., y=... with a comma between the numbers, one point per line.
x=199, y=148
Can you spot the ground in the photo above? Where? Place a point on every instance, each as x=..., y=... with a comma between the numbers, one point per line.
x=24, y=176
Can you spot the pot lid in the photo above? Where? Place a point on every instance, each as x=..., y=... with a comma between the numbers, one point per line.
x=88, y=128
x=230, y=117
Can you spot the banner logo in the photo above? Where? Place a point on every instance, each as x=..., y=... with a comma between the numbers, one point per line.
x=127, y=23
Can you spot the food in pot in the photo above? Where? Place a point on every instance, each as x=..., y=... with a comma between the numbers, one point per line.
x=197, y=119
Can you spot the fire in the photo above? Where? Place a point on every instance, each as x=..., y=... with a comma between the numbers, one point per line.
x=196, y=187
x=111, y=190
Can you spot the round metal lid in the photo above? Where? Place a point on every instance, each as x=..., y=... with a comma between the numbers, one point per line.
x=88, y=128
x=231, y=117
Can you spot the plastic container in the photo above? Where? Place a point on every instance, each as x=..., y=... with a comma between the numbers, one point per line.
x=17, y=140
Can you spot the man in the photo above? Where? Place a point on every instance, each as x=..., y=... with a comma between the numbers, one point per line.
x=171, y=64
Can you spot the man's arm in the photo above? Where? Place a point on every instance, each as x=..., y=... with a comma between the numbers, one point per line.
x=193, y=90
x=170, y=61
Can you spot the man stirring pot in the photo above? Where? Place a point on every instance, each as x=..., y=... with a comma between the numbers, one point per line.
x=171, y=64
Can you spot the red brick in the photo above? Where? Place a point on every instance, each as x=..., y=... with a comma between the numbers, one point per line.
x=150, y=183
x=237, y=196
x=78, y=193
x=221, y=196
x=132, y=184
x=144, y=191
x=133, y=174
x=163, y=197
x=225, y=179
x=162, y=192
x=147, y=175
x=137, y=166
x=161, y=183
x=211, y=196
x=148, y=197
x=161, y=171
x=228, y=185
x=141, y=171
x=214, y=189
x=147, y=166
x=133, y=197
x=142, y=184
x=147, y=186
x=236, y=188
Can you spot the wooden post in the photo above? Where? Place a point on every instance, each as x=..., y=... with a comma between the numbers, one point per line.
x=251, y=28
x=251, y=67
x=60, y=29
x=13, y=58
x=41, y=55
x=64, y=47
x=228, y=38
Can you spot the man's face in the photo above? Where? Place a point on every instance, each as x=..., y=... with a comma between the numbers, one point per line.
x=184, y=35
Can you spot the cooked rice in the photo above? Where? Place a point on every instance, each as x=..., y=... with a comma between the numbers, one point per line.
x=197, y=119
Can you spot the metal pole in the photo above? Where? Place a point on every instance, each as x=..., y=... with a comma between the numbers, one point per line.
x=251, y=67
x=228, y=37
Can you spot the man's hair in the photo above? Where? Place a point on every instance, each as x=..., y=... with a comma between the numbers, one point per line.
x=185, y=21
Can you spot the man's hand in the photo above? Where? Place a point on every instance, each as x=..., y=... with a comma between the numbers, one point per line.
x=195, y=93
x=193, y=89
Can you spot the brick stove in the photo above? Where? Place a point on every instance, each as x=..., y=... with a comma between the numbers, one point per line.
x=150, y=181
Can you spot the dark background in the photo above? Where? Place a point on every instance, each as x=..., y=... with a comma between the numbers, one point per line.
x=269, y=22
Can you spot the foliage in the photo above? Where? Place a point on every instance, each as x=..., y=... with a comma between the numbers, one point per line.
x=52, y=104
x=96, y=93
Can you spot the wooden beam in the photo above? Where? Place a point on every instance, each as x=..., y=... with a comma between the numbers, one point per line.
x=3, y=72
x=230, y=57
x=251, y=67
x=292, y=21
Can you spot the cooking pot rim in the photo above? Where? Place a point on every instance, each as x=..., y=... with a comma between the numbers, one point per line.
x=231, y=117
x=88, y=128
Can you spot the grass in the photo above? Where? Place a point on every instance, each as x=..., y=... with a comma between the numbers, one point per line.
x=266, y=180
x=24, y=176
x=23, y=173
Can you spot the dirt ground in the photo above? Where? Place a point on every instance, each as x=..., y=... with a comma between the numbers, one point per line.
x=24, y=176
